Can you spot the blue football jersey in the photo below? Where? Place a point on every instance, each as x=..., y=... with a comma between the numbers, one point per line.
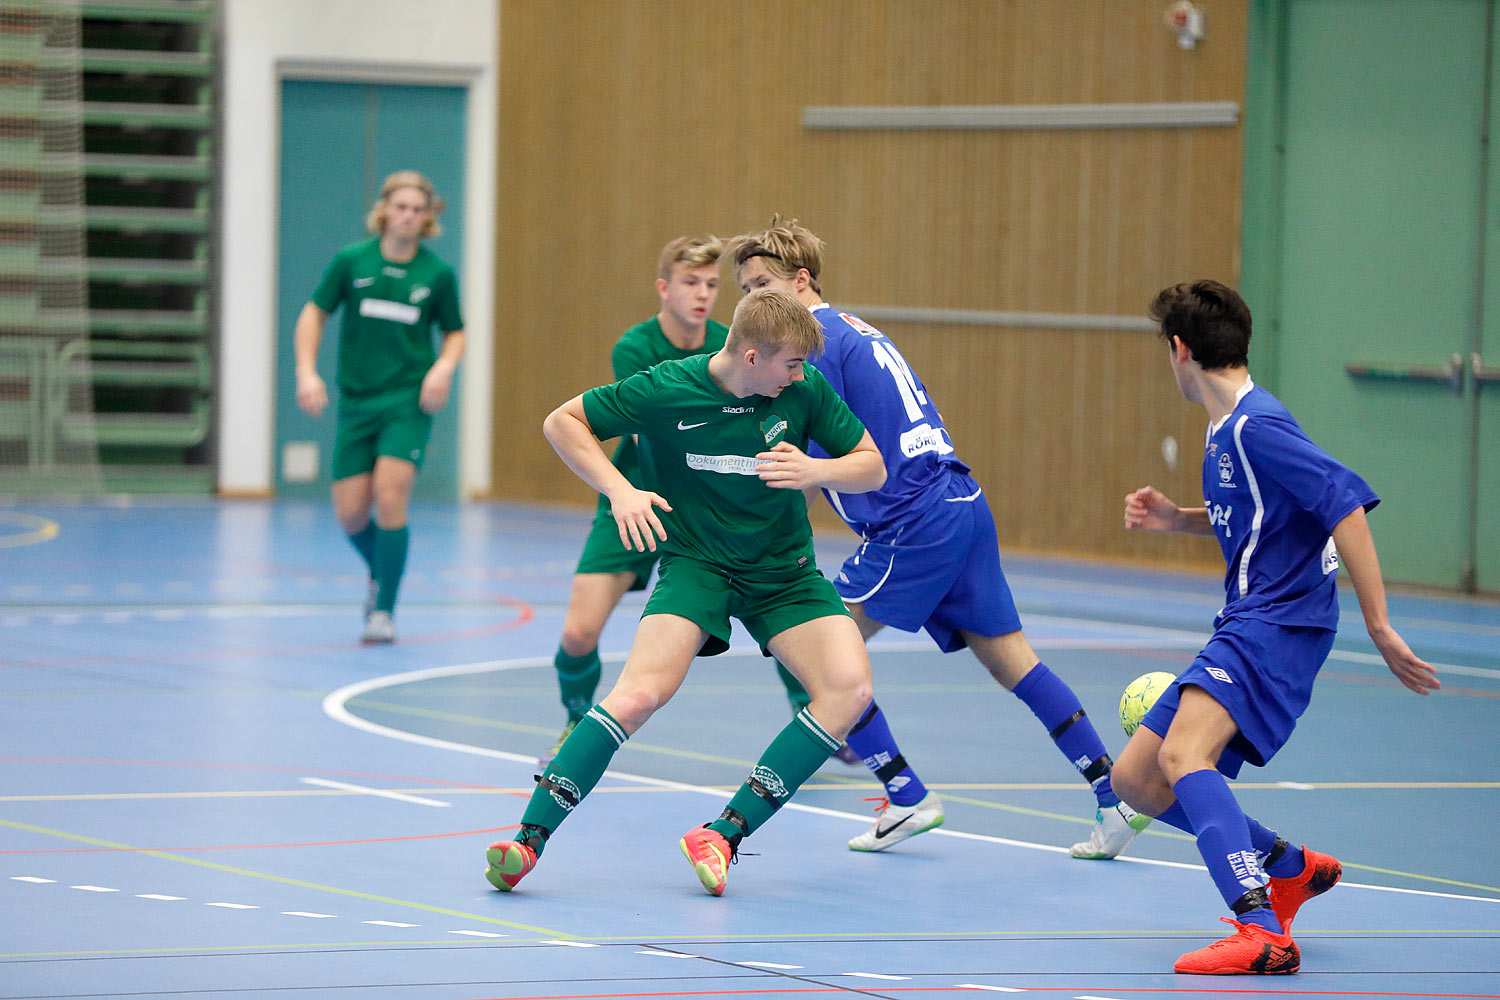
x=872, y=377
x=1274, y=498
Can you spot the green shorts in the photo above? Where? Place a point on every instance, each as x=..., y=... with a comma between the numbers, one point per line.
x=767, y=604
x=603, y=553
x=390, y=423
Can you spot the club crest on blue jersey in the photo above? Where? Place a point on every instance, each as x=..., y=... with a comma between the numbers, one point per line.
x=1226, y=470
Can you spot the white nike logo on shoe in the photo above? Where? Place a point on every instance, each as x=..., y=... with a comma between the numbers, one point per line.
x=687, y=427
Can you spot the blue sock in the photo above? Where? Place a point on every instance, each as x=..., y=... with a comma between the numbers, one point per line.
x=1288, y=864
x=871, y=738
x=1054, y=703
x=1224, y=843
x=1174, y=816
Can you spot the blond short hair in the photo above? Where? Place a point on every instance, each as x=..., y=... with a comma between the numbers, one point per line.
x=431, y=229
x=769, y=319
x=690, y=251
x=784, y=247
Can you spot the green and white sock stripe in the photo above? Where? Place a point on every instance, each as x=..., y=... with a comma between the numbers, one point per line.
x=819, y=733
x=616, y=731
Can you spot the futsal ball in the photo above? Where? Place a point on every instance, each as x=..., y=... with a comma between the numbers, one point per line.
x=1140, y=694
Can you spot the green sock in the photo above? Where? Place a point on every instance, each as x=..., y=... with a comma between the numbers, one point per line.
x=573, y=773
x=577, y=679
x=363, y=541
x=793, y=756
x=795, y=692
x=390, y=563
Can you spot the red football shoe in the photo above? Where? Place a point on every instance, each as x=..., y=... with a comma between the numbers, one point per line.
x=1250, y=951
x=710, y=855
x=1320, y=873
x=509, y=863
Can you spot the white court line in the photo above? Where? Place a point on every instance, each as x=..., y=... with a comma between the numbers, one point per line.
x=94, y=888
x=388, y=923
x=571, y=944
x=398, y=796
x=663, y=954
x=483, y=934
x=877, y=975
x=769, y=965
x=992, y=989
x=157, y=895
x=334, y=706
x=30, y=878
x=304, y=913
x=234, y=906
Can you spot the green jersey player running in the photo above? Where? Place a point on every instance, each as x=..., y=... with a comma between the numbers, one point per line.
x=391, y=379
x=725, y=439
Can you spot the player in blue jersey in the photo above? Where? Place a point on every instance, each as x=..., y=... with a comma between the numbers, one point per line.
x=906, y=572
x=1285, y=512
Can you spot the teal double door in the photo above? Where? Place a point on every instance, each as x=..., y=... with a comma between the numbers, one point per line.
x=1376, y=260
x=338, y=142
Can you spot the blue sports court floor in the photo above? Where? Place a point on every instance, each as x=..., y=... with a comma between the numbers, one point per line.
x=209, y=789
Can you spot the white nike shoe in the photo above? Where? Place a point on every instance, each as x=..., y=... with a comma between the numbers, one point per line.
x=1114, y=829
x=896, y=823
x=380, y=628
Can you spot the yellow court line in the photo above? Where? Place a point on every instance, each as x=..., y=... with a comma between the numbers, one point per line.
x=41, y=529
x=281, y=879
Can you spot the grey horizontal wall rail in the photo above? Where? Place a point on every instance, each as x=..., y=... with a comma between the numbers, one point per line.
x=992, y=317
x=1184, y=114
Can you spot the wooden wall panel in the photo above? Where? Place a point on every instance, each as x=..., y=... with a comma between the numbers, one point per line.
x=626, y=122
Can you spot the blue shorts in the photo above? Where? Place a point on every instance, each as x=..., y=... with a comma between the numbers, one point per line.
x=939, y=570
x=1262, y=673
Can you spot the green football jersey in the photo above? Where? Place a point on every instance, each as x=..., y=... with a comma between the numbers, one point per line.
x=641, y=347
x=385, y=336
x=700, y=456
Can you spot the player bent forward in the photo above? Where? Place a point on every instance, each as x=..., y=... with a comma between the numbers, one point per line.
x=1284, y=512
x=724, y=438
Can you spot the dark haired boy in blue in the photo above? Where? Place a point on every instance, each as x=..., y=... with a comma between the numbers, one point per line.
x=1285, y=512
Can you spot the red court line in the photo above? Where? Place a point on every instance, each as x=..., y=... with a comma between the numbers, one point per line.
x=259, y=847
x=1029, y=989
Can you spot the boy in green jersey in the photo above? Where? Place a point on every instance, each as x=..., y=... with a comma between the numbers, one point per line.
x=725, y=438
x=391, y=380
x=687, y=281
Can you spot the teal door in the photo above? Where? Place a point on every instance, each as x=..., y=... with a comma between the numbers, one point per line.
x=1383, y=175
x=338, y=142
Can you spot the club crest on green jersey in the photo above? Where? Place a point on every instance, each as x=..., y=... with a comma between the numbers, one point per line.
x=774, y=428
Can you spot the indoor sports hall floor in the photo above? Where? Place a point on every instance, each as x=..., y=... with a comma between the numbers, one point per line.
x=208, y=788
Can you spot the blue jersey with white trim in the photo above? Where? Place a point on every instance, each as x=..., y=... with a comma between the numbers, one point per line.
x=872, y=377
x=1274, y=498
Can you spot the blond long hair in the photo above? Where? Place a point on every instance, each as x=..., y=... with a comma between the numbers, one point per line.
x=431, y=229
x=784, y=247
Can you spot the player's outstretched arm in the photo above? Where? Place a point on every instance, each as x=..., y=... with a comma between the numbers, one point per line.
x=568, y=431
x=1352, y=538
x=312, y=393
x=1149, y=509
x=787, y=467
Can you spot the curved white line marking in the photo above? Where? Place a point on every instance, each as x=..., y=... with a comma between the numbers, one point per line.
x=334, y=702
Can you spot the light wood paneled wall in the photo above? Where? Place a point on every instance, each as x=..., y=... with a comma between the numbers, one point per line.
x=624, y=123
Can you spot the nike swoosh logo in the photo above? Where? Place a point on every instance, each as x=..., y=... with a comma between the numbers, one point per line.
x=687, y=427
x=362, y=282
x=879, y=833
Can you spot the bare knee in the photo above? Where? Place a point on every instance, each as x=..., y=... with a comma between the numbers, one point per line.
x=1176, y=760
x=579, y=637
x=838, y=709
x=631, y=707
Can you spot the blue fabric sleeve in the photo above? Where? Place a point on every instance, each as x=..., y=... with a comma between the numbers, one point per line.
x=1315, y=480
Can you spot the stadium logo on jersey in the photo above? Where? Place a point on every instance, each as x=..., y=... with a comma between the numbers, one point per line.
x=1218, y=674
x=565, y=793
x=739, y=409
x=774, y=428
x=394, y=272
x=418, y=294
x=771, y=781
x=1226, y=471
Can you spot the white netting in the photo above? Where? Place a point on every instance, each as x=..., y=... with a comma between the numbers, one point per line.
x=45, y=439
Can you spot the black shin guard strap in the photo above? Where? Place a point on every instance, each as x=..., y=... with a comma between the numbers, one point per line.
x=565, y=794
x=1098, y=769
x=733, y=816
x=1276, y=852
x=889, y=771
x=1255, y=899
x=763, y=792
x=532, y=832
x=864, y=720
x=1063, y=726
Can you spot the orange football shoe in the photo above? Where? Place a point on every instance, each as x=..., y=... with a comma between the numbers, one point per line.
x=1250, y=951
